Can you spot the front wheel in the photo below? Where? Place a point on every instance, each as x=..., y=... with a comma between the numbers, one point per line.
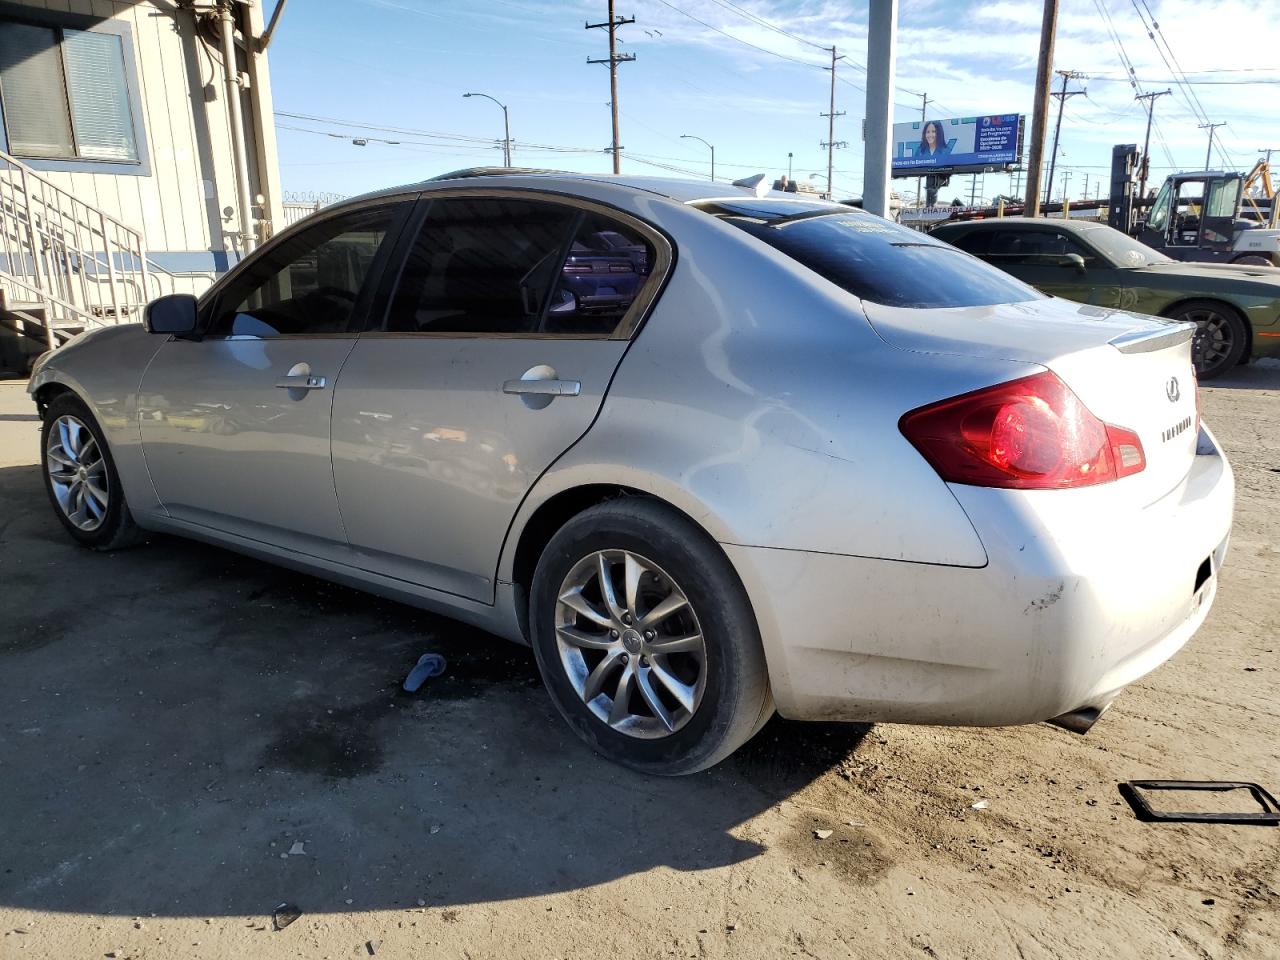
x=1220, y=338
x=646, y=640
x=81, y=480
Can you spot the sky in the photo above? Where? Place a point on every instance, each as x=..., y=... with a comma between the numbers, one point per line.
x=748, y=76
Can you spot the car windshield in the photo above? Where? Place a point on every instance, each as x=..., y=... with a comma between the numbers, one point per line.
x=877, y=260
x=1121, y=249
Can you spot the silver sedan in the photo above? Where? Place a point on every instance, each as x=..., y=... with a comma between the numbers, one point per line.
x=711, y=451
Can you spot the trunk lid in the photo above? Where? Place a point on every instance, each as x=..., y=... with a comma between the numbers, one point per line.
x=1130, y=370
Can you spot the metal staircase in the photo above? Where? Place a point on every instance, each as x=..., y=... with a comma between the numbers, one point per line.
x=66, y=266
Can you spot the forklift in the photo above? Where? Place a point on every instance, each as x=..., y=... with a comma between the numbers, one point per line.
x=1214, y=217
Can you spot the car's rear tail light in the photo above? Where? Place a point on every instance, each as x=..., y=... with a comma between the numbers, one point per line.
x=1126, y=451
x=1028, y=434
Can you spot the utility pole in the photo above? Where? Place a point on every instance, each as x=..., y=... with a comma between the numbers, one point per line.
x=1066, y=178
x=788, y=167
x=1269, y=151
x=1062, y=97
x=1146, y=144
x=1086, y=187
x=1208, y=154
x=924, y=105
x=1040, y=114
x=613, y=60
x=830, y=143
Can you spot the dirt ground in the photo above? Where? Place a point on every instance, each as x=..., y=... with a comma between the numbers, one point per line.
x=189, y=738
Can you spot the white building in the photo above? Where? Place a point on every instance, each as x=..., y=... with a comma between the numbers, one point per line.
x=133, y=162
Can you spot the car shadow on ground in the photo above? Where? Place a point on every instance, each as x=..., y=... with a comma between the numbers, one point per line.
x=1258, y=375
x=175, y=718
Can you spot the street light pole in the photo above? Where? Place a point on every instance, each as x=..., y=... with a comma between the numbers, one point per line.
x=506, y=127
x=710, y=146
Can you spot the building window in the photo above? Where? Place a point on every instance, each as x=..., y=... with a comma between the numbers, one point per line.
x=65, y=94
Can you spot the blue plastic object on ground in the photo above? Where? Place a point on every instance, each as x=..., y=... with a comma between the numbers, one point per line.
x=428, y=665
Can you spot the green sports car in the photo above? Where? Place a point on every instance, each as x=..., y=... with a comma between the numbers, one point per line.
x=1237, y=308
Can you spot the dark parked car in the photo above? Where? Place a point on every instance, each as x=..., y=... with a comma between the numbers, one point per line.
x=1236, y=308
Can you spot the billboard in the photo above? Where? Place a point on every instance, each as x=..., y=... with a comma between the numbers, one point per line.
x=926, y=146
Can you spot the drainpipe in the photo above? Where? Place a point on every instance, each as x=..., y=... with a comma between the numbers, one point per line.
x=261, y=132
x=232, y=76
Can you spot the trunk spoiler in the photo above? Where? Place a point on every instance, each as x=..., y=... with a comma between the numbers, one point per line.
x=1149, y=341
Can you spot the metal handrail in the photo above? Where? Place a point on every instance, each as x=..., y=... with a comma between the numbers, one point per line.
x=77, y=261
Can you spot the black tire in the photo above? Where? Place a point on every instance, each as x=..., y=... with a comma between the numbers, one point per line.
x=116, y=529
x=1254, y=260
x=1221, y=337
x=735, y=700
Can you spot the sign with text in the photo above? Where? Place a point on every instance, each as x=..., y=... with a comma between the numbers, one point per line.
x=926, y=146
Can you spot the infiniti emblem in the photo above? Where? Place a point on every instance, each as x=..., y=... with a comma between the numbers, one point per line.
x=1171, y=390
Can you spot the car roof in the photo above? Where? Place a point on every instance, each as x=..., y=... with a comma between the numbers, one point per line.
x=1071, y=226
x=681, y=190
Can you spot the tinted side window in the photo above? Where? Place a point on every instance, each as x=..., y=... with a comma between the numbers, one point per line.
x=509, y=266
x=1034, y=247
x=975, y=241
x=607, y=266
x=309, y=284
x=482, y=265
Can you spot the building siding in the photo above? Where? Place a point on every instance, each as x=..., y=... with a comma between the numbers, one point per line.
x=179, y=205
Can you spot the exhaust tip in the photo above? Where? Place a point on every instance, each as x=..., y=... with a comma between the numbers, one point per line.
x=1080, y=721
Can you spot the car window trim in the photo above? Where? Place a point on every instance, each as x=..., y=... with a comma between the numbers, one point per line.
x=628, y=326
x=211, y=302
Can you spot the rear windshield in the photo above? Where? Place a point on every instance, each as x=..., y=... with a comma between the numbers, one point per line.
x=880, y=261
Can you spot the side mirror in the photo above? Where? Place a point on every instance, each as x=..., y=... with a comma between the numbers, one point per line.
x=174, y=315
x=1073, y=260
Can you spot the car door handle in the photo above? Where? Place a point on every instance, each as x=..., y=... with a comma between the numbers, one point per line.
x=302, y=381
x=543, y=388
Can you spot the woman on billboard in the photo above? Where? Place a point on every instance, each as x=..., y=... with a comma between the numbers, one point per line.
x=933, y=141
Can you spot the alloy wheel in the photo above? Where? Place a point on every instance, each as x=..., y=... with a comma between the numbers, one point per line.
x=630, y=644
x=77, y=473
x=1213, y=340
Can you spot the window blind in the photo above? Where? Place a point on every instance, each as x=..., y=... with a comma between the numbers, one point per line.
x=99, y=95
x=32, y=89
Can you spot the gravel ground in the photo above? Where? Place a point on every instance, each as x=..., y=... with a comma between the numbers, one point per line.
x=189, y=738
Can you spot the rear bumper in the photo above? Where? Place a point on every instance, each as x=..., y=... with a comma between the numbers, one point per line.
x=1081, y=596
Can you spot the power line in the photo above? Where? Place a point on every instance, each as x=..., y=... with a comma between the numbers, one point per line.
x=748, y=43
x=1265, y=81
x=1180, y=76
x=729, y=4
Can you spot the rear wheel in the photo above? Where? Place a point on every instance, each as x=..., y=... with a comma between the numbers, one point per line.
x=81, y=480
x=1254, y=260
x=646, y=640
x=1220, y=338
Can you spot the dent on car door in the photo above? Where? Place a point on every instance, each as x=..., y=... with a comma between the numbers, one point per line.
x=236, y=423
x=508, y=321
